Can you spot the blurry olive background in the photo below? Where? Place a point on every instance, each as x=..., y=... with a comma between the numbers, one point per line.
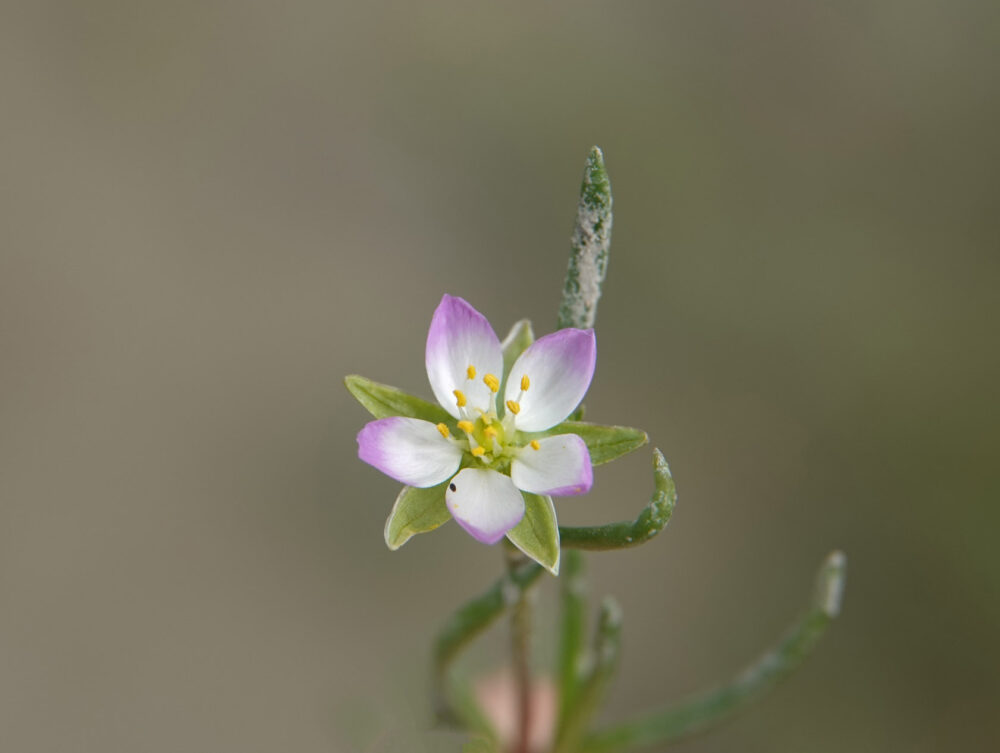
x=211, y=212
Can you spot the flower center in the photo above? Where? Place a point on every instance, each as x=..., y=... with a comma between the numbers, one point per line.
x=490, y=439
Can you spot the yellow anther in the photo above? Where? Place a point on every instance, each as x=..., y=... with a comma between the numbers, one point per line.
x=444, y=430
x=513, y=406
x=471, y=372
x=535, y=445
x=490, y=431
x=525, y=383
x=492, y=382
x=460, y=398
x=478, y=451
x=467, y=426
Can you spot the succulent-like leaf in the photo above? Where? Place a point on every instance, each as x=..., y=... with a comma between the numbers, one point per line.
x=708, y=709
x=537, y=535
x=607, y=645
x=605, y=443
x=588, y=259
x=383, y=401
x=653, y=518
x=416, y=511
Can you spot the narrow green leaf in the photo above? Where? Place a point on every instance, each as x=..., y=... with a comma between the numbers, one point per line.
x=709, y=709
x=537, y=535
x=607, y=647
x=415, y=511
x=588, y=259
x=383, y=401
x=572, y=652
x=650, y=522
x=605, y=443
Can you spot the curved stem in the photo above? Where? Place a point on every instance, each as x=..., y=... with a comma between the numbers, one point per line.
x=651, y=520
x=469, y=621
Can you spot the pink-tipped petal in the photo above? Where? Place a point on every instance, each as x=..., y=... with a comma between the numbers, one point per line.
x=560, y=467
x=461, y=337
x=485, y=503
x=409, y=450
x=559, y=368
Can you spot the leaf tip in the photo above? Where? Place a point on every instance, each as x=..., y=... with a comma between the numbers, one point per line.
x=830, y=583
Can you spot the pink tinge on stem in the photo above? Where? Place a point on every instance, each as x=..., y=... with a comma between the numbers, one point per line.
x=497, y=697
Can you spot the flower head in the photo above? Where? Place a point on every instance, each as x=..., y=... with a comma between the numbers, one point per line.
x=487, y=453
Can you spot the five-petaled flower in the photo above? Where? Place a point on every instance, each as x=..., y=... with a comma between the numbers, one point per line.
x=488, y=451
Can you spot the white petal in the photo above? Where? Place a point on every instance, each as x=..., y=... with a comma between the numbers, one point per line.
x=461, y=337
x=560, y=466
x=559, y=368
x=409, y=450
x=485, y=503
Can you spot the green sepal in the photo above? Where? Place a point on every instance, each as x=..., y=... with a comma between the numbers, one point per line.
x=516, y=342
x=383, y=401
x=416, y=511
x=605, y=443
x=537, y=535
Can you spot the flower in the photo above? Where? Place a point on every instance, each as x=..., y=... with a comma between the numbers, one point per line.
x=488, y=451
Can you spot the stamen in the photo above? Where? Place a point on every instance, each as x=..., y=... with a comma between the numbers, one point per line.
x=444, y=430
x=525, y=383
x=478, y=451
x=490, y=431
x=467, y=426
x=492, y=382
x=471, y=372
x=460, y=398
x=513, y=406
x=535, y=445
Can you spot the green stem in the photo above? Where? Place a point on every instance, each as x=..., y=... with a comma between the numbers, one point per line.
x=469, y=621
x=573, y=610
x=650, y=522
x=520, y=629
x=711, y=708
x=604, y=662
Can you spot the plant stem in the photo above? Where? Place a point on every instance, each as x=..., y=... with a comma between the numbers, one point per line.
x=520, y=624
x=471, y=620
